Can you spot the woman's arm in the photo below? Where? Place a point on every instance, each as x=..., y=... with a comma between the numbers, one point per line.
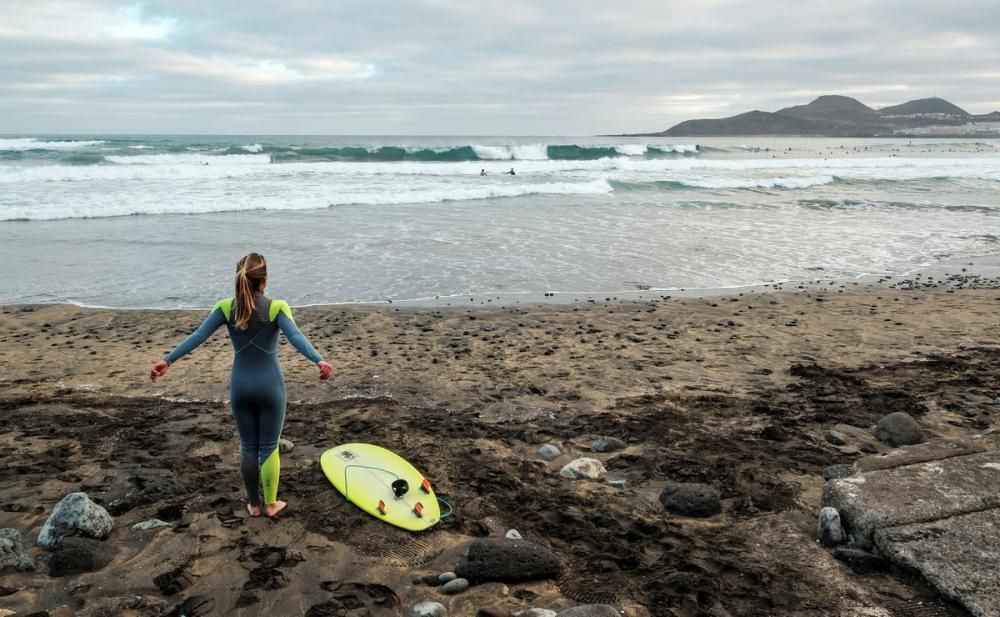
x=295, y=336
x=205, y=330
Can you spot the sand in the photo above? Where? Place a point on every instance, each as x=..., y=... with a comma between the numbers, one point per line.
x=735, y=391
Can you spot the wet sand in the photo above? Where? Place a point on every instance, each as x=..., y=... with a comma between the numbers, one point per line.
x=735, y=391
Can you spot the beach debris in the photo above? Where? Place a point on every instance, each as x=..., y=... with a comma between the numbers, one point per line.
x=285, y=446
x=507, y=561
x=77, y=555
x=583, y=469
x=617, y=483
x=589, y=610
x=75, y=513
x=12, y=553
x=427, y=609
x=513, y=534
x=840, y=470
x=446, y=577
x=861, y=562
x=829, y=531
x=899, y=429
x=836, y=438
x=691, y=499
x=493, y=611
x=549, y=452
x=457, y=585
x=153, y=523
x=536, y=612
x=608, y=444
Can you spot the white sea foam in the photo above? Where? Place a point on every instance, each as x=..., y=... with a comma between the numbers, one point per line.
x=536, y=152
x=31, y=143
x=141, y=147
x=255, y=148
x=631, y=149
x=677, y=149
x=802, y=182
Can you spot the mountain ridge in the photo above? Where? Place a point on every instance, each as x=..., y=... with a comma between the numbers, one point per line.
x=832, y=115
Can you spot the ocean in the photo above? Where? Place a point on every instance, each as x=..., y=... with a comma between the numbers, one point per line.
x=160, y=221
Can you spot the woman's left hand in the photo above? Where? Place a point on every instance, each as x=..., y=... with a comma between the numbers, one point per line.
x=159, y=369
x=325, y=370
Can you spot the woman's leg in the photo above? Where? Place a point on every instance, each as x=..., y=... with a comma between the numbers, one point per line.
x=247, y=416
x=272, y=419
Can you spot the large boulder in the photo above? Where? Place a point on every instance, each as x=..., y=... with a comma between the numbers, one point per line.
x=829, y=530
x=12, y=553
x=507, y=561
x=78, y=555
x=583, y=469
x=899, y=429
x=691, y=499
x=75, y=514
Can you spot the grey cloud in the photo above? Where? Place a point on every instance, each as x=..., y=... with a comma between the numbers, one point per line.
x=482, y=68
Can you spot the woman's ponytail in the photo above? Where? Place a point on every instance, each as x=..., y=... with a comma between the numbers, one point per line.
x=250, y=273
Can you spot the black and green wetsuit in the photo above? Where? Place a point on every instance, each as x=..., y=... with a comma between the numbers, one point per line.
x=256, y=387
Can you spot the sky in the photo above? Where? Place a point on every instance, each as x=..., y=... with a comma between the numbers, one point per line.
x=463, y=67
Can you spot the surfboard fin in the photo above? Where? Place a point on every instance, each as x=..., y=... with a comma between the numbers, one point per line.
x=426, y=485
x=381, y=507
x=419, y=510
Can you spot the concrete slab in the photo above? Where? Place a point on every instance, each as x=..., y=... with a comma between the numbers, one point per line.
x=959, y=556
x=915, y=493
x=919, y=453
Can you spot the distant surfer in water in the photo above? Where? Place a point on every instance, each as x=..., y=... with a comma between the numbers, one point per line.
x=511, y=172
x=482, y=172
x=256, y=386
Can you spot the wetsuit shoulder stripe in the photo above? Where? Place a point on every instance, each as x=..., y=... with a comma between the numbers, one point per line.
x=226, y=306
x=279, y=306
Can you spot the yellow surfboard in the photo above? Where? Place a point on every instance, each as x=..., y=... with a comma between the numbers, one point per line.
x=382, y=484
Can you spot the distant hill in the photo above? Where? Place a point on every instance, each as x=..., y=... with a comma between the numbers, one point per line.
x=924, y=106
x=837, y=116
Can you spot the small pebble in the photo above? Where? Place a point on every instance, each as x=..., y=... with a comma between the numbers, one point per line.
x=617, y=483
x=456, y=586
x=513, y=534
x=829, y=531
x=427, y=609
x=285, y=446
x=548, y=452
x=153, y=523
x=446, y=577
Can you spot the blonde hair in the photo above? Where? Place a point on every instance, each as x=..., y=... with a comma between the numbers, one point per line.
x=250, y=273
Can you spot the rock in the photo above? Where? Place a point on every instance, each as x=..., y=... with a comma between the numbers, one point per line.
x=899, y=429
x=446, y=577
x=608, y=444
x=836, y=438
x=456, y=586
x=536, y=612
x=153, y=523
x=285, y=446
x=837, y=471
x=549, y=452
x=6, y=612
x=513, y=534
x=12, y=553
x=617, y=483
x=590, y=610
x=691, y=499
x=433, y=580
x=493, y=611
x=507, y=561
x=861, y=562
x=829, y=531
x=427, y=609
x=78, y=555
x=583, y=469
x=75, y=513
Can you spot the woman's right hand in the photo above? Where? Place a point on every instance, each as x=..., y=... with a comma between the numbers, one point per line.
x=325, y=370
x=159, y=369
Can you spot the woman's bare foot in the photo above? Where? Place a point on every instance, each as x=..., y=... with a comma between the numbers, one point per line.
x=253, y=510
x=272, y=509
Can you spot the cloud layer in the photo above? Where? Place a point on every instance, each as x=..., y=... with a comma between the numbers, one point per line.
x=444, y=67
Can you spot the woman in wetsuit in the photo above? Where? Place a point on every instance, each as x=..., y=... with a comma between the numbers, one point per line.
x=256, y=387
